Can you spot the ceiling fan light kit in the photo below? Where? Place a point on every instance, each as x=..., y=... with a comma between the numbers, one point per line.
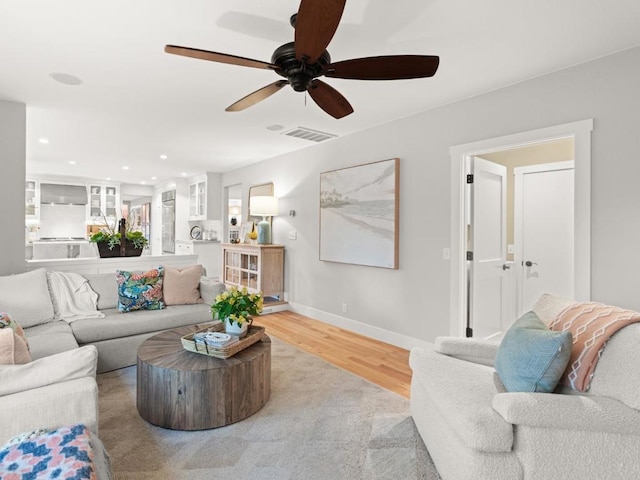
x=305, y=59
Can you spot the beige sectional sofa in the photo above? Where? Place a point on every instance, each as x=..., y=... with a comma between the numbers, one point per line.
x=116, y=335
x=58, y=387
x=474, y=430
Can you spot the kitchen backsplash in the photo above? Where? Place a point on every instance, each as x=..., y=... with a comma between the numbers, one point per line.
x=63, y=221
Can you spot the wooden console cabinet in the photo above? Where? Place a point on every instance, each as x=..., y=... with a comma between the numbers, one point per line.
x=260, y=268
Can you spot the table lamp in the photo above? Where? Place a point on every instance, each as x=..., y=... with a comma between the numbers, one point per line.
x=264, y=206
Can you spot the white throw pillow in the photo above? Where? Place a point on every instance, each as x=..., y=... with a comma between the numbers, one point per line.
x=26, y=296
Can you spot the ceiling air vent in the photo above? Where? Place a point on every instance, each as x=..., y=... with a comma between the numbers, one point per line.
x=309, y=134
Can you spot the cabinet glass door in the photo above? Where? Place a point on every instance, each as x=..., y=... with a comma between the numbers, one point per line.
x=110, y=202
x=95, y=200
x=201, y=197
x=30, y=198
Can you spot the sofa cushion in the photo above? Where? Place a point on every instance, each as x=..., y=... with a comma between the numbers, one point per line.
x=210, y=288
x=27, y=297
x=532, y=358
x=62, y=367
x=106, y=286
x=115, y=325
x=548, y=306
x=181, y=285
x=50, y=338
x=140, y=290
x=462, y=393
x=13, y=349
x=617, y=374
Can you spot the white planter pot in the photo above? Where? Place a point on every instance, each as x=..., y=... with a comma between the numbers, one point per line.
x=234, y=329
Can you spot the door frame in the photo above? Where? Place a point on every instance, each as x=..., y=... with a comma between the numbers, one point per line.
x=580, y=131
x=518, y=225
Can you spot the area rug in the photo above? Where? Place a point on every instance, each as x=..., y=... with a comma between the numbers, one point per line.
x=320, y=423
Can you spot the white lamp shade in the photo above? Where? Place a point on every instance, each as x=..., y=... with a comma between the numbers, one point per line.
x=264, y=206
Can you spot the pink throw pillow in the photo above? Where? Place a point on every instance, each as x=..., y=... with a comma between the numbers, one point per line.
x=182, y=285
x=13, y=350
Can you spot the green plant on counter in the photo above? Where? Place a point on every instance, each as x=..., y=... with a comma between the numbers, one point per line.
x=108, y=234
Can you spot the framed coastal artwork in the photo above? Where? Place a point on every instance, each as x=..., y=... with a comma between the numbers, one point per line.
x=359, y=214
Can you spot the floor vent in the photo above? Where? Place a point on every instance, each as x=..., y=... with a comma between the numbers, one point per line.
x=309, y=134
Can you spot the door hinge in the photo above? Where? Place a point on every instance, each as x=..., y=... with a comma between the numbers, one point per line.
x=470, y=256
x=469, y=332
x=470, y=178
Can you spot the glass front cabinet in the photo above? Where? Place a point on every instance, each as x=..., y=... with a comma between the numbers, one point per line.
x=259, y=268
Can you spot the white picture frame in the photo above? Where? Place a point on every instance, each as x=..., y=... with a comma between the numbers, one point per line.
x=245, y=229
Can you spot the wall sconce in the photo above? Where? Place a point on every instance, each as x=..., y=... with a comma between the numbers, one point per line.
x=264, y=206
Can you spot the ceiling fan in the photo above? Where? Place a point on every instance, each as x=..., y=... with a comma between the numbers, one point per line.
x=302, y=61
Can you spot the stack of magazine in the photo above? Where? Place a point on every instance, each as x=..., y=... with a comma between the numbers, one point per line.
x=214, y=339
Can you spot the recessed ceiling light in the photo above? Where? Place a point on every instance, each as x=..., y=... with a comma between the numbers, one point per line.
x=275, y=127
x=143, y=182
x=154, y=178
x=125, y=168
x=183, y=174
x=71, y=162
x=163, y=157
x=66, y=79
x=43, y=140
x=108, y=178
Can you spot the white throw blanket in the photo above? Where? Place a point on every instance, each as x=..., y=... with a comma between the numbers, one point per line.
x=72, y=297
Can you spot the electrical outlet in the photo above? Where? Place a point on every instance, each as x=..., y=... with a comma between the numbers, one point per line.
x=344, y=308
x=293, y=235
x=446, y=254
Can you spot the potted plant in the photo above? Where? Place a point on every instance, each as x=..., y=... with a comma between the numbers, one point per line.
x=234, y=307
x=109, y=240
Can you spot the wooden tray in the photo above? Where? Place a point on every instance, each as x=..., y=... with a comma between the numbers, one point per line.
x=254, y=334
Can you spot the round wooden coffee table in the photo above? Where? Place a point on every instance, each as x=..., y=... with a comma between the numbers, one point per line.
x=183, y=390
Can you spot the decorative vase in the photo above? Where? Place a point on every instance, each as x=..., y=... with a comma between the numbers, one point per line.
x=232, y=328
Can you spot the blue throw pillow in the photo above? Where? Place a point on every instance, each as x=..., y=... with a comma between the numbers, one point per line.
x=532, y=358
x=140, y=290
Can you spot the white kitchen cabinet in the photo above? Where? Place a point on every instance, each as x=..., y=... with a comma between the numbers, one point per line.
x=198, y=199
x=184, y=247
x=104, y=200
x=205, y=197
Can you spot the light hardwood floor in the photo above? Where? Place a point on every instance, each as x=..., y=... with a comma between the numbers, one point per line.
x=380, y=363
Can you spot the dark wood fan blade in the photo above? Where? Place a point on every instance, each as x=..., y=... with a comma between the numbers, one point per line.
x=329, y=99
x=257, y=96
x=316, y=23
x=392, y=67
x=218, y=57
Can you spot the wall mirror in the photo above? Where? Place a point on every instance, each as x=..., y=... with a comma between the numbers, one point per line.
x=265, y=189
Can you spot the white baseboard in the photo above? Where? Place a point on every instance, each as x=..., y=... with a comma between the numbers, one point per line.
x=393, y=338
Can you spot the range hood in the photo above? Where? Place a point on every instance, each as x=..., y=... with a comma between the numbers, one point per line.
x=63, y=194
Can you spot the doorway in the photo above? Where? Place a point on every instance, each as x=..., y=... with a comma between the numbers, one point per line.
x=462, y=292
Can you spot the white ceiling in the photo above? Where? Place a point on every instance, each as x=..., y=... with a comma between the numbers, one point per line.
x=137, y=102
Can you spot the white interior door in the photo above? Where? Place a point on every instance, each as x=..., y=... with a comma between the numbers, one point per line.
x=489, y=274
x=544, y=231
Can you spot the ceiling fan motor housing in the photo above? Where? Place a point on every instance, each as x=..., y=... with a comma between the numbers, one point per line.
x=299, y=73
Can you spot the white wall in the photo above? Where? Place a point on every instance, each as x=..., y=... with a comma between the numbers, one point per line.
x=13, y=124
x=413, y=301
